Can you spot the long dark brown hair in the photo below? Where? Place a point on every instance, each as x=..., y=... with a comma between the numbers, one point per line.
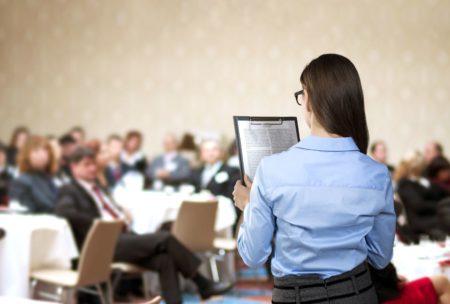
x=336, y=97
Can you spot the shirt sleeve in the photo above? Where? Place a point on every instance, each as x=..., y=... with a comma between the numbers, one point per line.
x=380, y=240
x=256, y=232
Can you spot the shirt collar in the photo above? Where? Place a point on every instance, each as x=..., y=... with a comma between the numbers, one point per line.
x=216, y=166
x=87, y=186
x=327, y=144
x=170, y=155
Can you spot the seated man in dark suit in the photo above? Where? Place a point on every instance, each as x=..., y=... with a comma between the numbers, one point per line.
x=170, y=168
x=214, y=175
x=82, y=201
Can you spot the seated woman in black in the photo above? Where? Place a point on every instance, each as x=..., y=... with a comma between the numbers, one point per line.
x=419, y=196
x=35, y=188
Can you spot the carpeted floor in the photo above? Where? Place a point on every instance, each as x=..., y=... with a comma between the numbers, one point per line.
x=252, y=286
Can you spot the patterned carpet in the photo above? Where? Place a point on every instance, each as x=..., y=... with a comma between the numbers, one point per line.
x=253, y=286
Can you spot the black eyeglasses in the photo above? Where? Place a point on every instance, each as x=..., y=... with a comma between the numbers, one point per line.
x=296, y=94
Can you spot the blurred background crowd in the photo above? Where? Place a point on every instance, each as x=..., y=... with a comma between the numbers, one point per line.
x=33, y=167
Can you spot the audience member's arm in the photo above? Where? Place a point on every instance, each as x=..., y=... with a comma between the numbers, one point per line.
x=256, y=232
x=182, y=173
x=151, y=169
x=380, y=240
x=414, y=200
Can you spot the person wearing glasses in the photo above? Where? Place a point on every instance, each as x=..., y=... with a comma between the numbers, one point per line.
x=328, y=206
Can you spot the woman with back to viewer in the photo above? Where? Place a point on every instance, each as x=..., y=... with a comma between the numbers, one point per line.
x=327, y=204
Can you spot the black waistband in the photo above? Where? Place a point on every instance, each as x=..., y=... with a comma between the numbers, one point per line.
x=313, y=289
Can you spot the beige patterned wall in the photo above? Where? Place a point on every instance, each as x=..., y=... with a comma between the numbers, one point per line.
x=175, y=65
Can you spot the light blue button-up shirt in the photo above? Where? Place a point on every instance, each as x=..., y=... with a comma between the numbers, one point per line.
x=328, y=206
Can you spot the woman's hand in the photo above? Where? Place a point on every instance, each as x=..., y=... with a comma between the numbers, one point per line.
x=241, y=193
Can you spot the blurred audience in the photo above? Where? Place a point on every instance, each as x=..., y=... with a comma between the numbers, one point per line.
x=132, y=156
x=443, y=214
x=170, y=168
x=78, y=134
x=438, y=171
x=115, y=169
x=102, y=158
x=233, y=156
x=189, y=150
x=379, y=152
x=214, y=175
x=6, y=175
x=432, y=150
x=419, y=196
x=35, y=188
x=82, y=201
x=67, y=144
x=61, y=177
x=18, y=139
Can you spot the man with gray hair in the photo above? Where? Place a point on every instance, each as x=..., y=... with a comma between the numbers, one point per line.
x=214, y=175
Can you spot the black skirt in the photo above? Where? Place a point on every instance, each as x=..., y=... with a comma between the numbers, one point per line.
x=354, y=286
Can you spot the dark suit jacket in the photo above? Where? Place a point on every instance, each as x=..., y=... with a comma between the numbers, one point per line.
x=217, y=188
x=443, y=214
x=5, y=181
x=36, y=191
x=139, y=165
x=420, y=204
x=79, y=208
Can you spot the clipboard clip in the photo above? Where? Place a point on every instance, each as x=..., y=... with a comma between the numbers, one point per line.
x=255, y=121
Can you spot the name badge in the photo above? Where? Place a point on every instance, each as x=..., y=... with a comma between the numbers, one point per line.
x=221, y=177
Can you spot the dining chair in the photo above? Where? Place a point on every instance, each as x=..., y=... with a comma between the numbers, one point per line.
x=194, y=227
x=94, y=267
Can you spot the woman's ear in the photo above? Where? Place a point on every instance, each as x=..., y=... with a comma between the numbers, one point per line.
x=306, y=101
x=307, y=108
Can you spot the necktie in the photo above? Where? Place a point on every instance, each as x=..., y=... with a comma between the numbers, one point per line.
x=117, y=173
x=105, y=205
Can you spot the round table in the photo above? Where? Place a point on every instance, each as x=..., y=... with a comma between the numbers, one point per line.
x=150, y=209
x=32, y=242
x=417, y=261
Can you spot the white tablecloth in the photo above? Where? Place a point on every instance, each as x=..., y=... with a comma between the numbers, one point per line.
x=151, y=208
x=417, y=261
x=32, y=242
x=8, y=300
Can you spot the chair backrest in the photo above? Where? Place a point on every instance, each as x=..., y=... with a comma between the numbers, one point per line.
x=98, y=251
x=194, y=226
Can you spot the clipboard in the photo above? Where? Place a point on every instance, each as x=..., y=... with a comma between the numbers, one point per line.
x=263, y=122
